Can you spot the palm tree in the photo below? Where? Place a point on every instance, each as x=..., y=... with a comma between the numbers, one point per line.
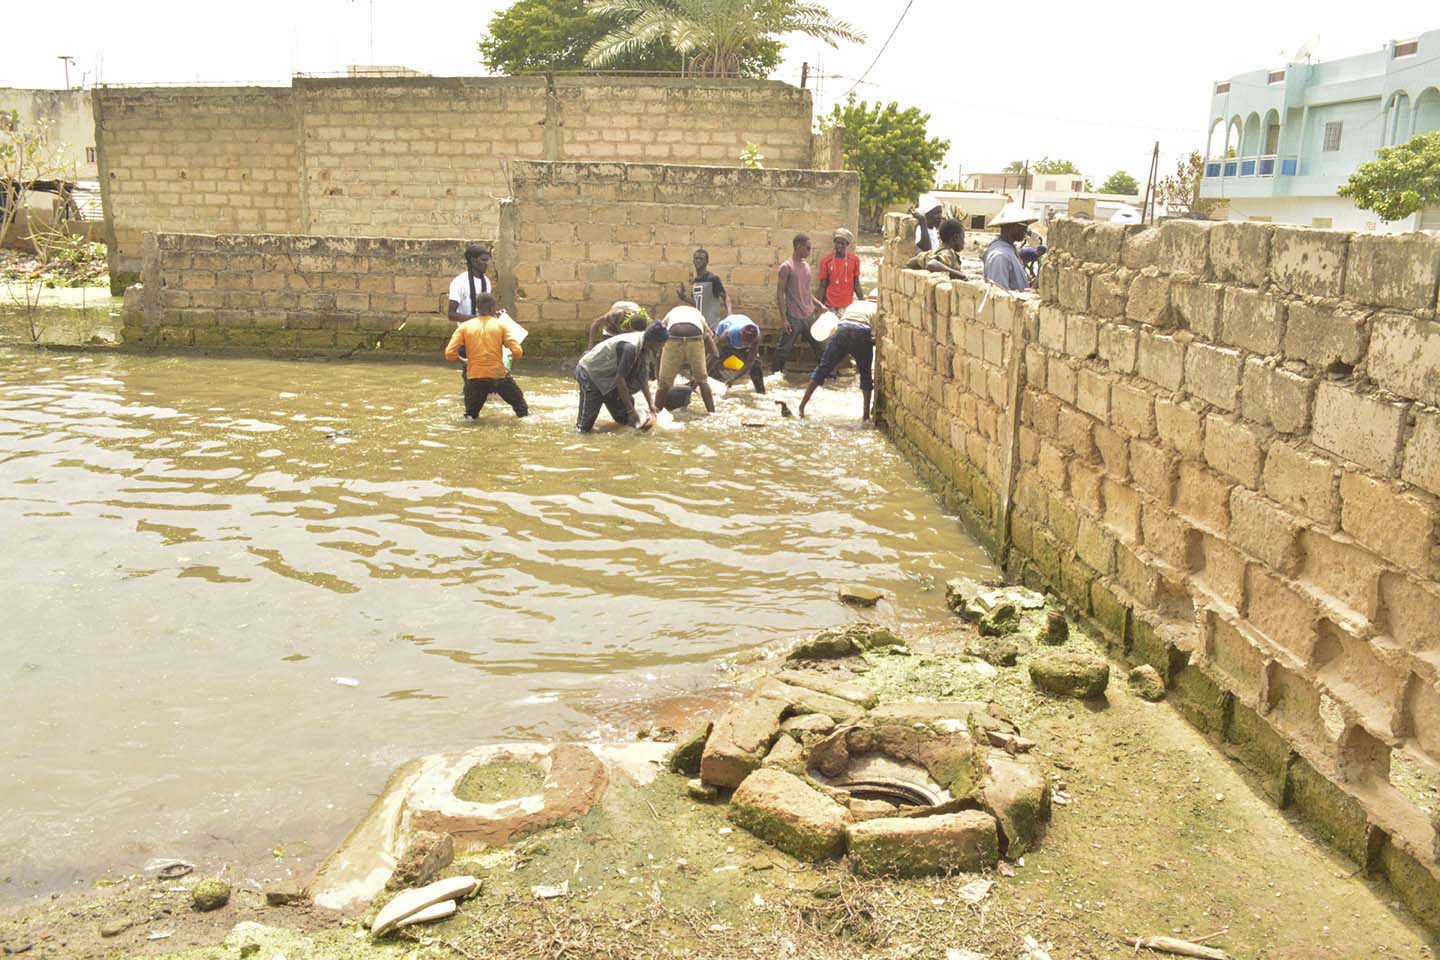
x=715, y=34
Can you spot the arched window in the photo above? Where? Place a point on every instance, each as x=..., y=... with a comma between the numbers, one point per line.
x=1250, y=141
x=1397, y=119
x=1270, y=145
x=1215, y=146
x=1427, y=110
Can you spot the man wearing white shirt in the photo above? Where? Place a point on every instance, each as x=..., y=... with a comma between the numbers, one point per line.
x=472, y=281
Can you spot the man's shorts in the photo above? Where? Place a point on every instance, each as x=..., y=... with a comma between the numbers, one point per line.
x=852, y=340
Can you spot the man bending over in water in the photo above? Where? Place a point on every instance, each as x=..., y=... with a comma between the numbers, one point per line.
x=484, y=339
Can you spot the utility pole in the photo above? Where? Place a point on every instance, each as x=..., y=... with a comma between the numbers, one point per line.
x=1147, y=210
x=67, y=60
x=1024, y=182
x=804, y=74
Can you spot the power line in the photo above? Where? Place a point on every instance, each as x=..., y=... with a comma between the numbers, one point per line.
x=893, y=31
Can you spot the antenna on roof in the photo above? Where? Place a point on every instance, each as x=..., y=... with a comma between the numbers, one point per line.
x=1306, y=53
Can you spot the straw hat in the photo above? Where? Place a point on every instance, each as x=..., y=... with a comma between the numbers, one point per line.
x=1012, y=213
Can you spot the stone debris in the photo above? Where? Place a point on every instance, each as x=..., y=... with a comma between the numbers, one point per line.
x=848, y=641
x=802, y=701
x=973, y=601
x=975, y=891
x=1019, y=798
x=786, y=812
x=740, y=740
x=212, y=893
x=410, y=902
x=786, y=754
x=702, y=791
x=113, y=928
x=436, y=911
x=552, y=891
x=685, y=759
x=807, y=724
x=1057, y=628
x=862, y=810
x=284, y=894
x=830, y=684
x=425, y=856
x=860, y=596
x=1146, y=681
x=920, y=846
x=954, y=953
x=1067, y=673
x=1000, y=653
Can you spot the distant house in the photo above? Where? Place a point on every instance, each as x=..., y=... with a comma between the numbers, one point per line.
x=996, y=182
x=1283, y=140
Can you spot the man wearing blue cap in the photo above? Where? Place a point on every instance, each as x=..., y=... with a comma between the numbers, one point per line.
x=738, y=340
x=611, y=371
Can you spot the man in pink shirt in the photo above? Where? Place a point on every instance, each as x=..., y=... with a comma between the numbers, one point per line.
x=795, y=302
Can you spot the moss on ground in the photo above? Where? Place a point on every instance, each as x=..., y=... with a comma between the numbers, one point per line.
x=500, y=780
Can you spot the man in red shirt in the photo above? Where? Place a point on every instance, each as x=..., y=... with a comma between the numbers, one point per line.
x=840, y=273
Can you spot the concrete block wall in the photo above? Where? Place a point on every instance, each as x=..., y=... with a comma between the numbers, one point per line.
x=588, y=234
x=292, y=295
x=403, y=156
x=213, y=159
x=1226, y=454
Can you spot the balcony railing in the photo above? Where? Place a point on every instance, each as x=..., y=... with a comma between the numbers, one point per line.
x=1268, y=165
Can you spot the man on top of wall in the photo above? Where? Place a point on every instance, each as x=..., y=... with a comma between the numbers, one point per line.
x=1003, y=266
x=840, y=273
x=705, y=292
x=928, y=215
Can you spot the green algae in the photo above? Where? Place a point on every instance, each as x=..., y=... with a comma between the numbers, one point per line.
x=500, y=780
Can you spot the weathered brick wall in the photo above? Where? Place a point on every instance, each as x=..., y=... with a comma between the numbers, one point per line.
x=403, y=156
x=194, y=158
x=588, y=234
x=1226, y=453
x=291, y=295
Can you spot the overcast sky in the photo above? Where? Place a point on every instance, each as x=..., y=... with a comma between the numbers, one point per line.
x=1096, y=83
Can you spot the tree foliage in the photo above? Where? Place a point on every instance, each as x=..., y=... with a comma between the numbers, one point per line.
x=891, y=151
x=1121, y=182
x=717, y=36
x=533, y=36
x=1181, y=190
x=1047, y=165
x=1400, y=181
x=1014, y=166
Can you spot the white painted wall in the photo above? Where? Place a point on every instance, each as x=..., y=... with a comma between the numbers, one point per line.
x=1304, y=210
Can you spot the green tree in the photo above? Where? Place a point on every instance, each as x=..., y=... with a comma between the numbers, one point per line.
x=1121, y=182
x=1014, y=166
x=890, y=150
x=717, y=36
x=533, y=36
x=1047, y=165
x=1181, y=190
x=1401, y=179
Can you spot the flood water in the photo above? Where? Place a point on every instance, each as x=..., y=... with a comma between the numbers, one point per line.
x=238, y=593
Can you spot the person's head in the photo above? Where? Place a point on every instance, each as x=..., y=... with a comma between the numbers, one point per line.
x=1014, y=232
x=934, y=216
x=477, y=258
x=749, y=333
x=486, y=305
x=952, y=234
x=1013, y=222
x=701, y=260
x=800, y=246
x=655, y=337
x=843, y=239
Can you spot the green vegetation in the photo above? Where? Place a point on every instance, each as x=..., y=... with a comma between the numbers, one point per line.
x=535, y=36
x=718, y=37
x=1121, y=182
x=1401, y=179
x=890, y=150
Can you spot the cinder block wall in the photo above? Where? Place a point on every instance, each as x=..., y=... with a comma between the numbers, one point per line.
x=1221, y=444
x=588, y=234
x=403, y=156
x=289, y=295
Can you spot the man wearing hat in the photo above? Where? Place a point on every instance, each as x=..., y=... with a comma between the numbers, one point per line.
x=612, y=370
x=840, y=273
x=928, y=215
x=1003, y=266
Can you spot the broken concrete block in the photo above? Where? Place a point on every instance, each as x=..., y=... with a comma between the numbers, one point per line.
x=847, y=641
x=829, y=684
x=1057, y=628
x=919, y=846
x=685, y=758
x=787, y=755
x=702, y=791
x=786, y=812
x=1066, y=673
x=425, y=856
x=860, y=596
x=961, y=595
x=1019, y=798
x=739, y=741
x=808, y=725
x=1146, y=681
x=802, y=701
x=1000, y=653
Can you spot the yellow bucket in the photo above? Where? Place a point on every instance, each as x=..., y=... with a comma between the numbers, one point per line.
x=733, y=363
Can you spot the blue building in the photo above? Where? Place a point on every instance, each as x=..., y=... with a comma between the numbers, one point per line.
x=1283, y=140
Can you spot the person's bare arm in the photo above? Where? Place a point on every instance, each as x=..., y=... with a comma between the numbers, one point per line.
x=455, y=313
x=712, y=350
x=858, y=294
x=597, y=327
x=780, y=302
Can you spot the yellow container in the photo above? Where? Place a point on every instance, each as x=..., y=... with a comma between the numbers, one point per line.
x=733, y=363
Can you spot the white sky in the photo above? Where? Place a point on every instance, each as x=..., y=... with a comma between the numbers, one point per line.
x=1096, y=83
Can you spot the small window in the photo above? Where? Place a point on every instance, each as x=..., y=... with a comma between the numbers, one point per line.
x=89, y=154
x=1332, y=136
x=1222, y=88
x=1276, y=76
x=1324, y=223
x=1049, y=184
x=1407, y=49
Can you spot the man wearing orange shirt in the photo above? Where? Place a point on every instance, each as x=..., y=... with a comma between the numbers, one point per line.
x=840, y=273
x=485, y=337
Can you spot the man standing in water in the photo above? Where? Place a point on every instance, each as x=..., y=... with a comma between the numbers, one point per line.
x=852, y=337
x=611, y=371
x=794, y=301
x=690, y=344
x=840, y=273
x=468, y=285
x=737, y=339
x=705, y=292
x=482, y=340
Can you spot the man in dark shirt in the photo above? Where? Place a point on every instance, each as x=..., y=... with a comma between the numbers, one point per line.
x=705, y=292
x=612, y=370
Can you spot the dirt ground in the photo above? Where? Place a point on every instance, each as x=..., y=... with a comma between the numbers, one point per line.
x=1161, y=835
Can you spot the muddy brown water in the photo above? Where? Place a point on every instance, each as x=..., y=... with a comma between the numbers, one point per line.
x=239, y=592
